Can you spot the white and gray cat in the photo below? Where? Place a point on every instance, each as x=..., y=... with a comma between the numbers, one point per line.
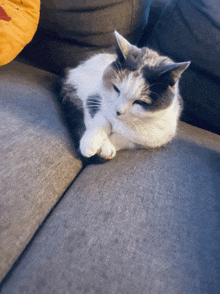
x=129, y=99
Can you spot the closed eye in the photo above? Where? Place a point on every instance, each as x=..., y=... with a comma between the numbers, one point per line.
x=142, y=103
x=116, y=89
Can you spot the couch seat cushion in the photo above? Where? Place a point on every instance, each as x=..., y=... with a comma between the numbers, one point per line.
x=37, y=161
x=144, y=222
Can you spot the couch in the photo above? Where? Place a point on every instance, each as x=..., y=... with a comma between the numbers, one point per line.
x=147, y=221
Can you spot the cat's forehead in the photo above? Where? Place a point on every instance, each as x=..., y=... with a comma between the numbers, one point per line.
x=134, y=87
x=140, y=58
x=130, y=83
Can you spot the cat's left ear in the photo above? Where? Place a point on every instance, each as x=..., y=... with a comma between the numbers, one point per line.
x=172, y=72
x=125, y=47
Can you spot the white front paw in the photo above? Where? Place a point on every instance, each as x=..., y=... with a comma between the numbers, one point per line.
x=90, y=144
x=107, y=150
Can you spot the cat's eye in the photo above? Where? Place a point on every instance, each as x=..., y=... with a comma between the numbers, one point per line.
x=116, y=89
x=140, y=102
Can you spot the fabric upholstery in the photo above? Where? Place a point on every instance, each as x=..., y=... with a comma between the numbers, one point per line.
x=18, y=23
x=145, y=222
x=70, y=31
x=37, y=160
x=190, y=30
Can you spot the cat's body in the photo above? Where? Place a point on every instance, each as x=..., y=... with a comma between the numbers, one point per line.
x=129, y=100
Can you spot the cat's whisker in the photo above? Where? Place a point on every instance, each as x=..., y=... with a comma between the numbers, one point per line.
x=136, y=124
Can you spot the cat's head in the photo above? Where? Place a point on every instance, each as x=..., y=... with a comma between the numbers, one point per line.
x=140, y=81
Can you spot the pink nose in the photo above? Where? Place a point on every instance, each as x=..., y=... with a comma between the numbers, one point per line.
x=120, y=109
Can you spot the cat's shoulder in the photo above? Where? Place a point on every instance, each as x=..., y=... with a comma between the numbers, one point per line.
x=91, y=68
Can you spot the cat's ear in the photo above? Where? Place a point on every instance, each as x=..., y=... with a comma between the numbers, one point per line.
x=172, y=72
x=125, y=47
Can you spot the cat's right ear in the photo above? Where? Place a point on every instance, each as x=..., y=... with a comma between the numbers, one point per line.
x=124, y=46
x=172, y=72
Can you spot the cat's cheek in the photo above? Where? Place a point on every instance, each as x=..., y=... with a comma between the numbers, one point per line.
x=137, y=110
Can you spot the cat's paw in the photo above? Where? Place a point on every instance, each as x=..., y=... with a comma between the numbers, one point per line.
x=88, y=149
x=107, y=151
x=90, y=144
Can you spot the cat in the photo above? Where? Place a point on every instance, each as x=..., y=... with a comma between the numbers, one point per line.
x=129, y=99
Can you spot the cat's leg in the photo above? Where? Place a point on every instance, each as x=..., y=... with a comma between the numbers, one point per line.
x=113, y=144
x=93, y=138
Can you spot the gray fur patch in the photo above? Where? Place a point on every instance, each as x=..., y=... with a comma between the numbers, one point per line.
x=93, y=104
x=73, y=113
x=69, y=93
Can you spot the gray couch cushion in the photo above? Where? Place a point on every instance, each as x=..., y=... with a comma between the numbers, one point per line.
x=37, y=161
x=145, y=222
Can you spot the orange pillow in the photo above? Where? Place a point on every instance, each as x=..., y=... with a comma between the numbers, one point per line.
x=18, y=24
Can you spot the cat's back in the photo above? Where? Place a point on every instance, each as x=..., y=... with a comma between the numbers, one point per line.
x=89, y=73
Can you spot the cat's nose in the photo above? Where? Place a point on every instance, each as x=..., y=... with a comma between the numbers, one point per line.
x=120, y=109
